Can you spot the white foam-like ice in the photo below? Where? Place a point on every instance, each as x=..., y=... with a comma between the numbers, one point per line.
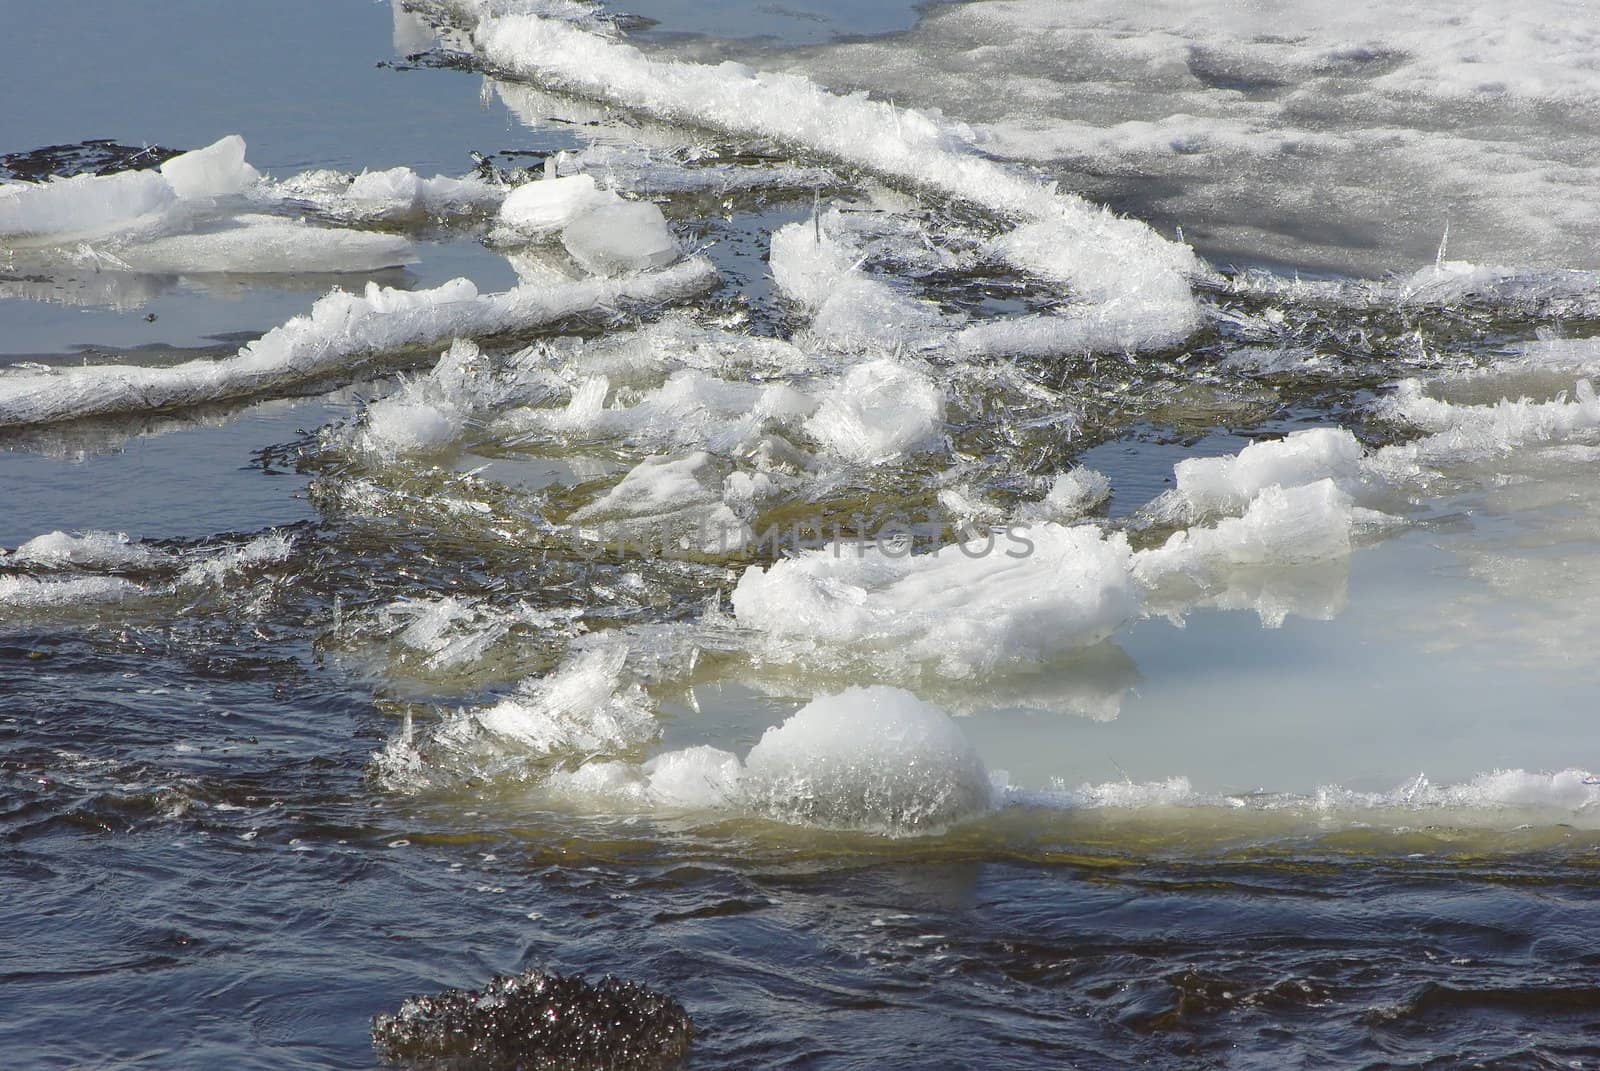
x=547, y=205
x=1072, y=494
x=341, y=329
x=265, y=245
x=877, y=759
x=1463, y=433
x=850, y=309
x=615, y=239
x=1282, y=526
x=1106, y=261
x=1018, y=597
x=92, y=550
x=878, y=411
x=88, y=205
x=583, y=710
x=1207, y=486
x=28, y=592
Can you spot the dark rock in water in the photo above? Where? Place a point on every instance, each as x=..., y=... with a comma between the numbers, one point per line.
x=96, y=157
x=537, y=1022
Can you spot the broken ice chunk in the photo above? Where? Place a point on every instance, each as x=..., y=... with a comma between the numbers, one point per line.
x=550, y=204
x=625, y=237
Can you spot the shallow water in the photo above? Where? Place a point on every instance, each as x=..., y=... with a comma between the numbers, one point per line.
x=1292, y=809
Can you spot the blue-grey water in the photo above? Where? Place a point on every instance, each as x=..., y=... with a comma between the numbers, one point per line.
x=202, y=867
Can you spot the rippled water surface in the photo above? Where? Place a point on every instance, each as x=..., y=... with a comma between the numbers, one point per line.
x=380, y=672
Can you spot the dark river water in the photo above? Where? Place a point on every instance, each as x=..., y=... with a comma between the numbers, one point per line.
x=1325, y=815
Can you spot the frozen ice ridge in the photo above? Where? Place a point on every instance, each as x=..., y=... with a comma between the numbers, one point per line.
x=1132, y=285
x=876, y=760
x=342, y=329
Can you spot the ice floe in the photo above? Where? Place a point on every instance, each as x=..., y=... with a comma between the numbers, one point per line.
x=1122, y=271
x=1022, y=596
x=341, y=330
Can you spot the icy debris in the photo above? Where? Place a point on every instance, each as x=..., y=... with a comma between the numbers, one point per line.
x=1468, y=433
x=1072, y=495
x=218, y=170
x=646, y=169
x=620, y=238
x=690, y=409
x=395, y=195
x=215, y=567
x=1484, y=799
x=1022, y=596
x=876, y=759
x=1101, y=258
x=264, y=245
x=850, y=309
x=546, y=206
x=105, y=552
x=432, y=411
x=582, y=710
x=341, y=329
x=605, y=234
x=1221, y=485
x=27, y=592
x=455, y=631
x=879, y=411
x=695, y=778
x=1282, y=526
x=92, y=550
x=88, y=205
x=667, y=503
x=692, y=779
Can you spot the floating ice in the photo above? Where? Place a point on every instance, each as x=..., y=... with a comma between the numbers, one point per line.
x=670, y=502
x=691, y=408
x=878, y=411
x=1468, y=433
x=218, y=170
x=87, y=205
x=1343, y=138
x=849, y=308
x=217, y=567
x=1102, y=258
x=265, y=245
x=1484, y=800
x=1017, y=597
x=876, y=759
x=432, y=411
x=583, y=710
x=93, y=550
x=341, y=329
x=395, y=195
x=546, y=206
x=1072, y=494
x=1214, y=485
x=1281, y=526
x=615, y=239
x=83, y=205
x=27, y=592
x=105, y=552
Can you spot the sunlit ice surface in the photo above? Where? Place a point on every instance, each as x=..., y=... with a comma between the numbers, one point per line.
x=562, y=500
